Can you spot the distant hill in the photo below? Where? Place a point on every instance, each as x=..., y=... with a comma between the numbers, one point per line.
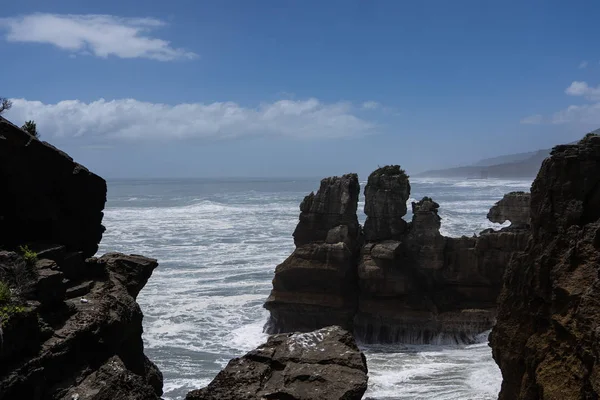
x=511, y=158
x=521, y=165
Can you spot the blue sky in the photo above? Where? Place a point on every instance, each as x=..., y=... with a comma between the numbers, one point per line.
x=299, y=88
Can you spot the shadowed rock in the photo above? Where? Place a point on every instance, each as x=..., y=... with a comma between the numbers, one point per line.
x=546, y=340
x=46, y=196
x=322, y=365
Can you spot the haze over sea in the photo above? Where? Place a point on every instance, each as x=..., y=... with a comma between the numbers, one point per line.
x=218, y=242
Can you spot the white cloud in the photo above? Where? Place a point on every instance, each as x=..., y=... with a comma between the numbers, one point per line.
x=100, y=35
x=586, y=114
x=583, y=64
x=370, y=105
x=129, y=119
x=532, y=120
x=579, y=88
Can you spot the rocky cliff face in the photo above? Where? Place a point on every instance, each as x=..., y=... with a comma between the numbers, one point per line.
x=405, y=283
x=316, y=286
x=546, y=340
x=320, y=365
x=69, y=324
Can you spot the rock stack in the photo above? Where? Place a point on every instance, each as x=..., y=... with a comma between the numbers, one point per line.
x=316, y=286
x=396, y=281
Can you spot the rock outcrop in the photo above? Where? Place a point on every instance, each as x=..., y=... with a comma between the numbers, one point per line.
x=547, y=337
x=322, y=365
x=411, y=284
x=316, y=286
x=513, y=207
x=69, y=325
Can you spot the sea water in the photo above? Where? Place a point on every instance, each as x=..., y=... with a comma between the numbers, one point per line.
x=218, y=242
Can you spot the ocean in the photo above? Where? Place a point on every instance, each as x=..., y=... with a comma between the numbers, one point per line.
x=218, y=242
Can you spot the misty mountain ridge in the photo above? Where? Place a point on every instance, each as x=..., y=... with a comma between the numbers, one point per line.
x=518, y=165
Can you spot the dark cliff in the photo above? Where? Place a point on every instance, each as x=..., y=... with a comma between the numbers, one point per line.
x=395, y=281
x=69, y=324
x=546, y=340
x=46, y=196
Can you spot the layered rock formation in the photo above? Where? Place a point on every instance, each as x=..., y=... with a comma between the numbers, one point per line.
x=69, y=326
x=546, y=340
x=411, y=284
x=320, y=365
x=513, y=207
x=424, y=287
x=316, y=286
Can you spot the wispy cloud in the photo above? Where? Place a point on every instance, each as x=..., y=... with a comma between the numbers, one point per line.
x=583, y=65
x=370, y=105
x=586, y=114
x=129, y=119
x=533, y=119
x=100, y=35
x=579, y=88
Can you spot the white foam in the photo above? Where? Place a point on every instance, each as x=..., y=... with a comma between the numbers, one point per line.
x=217, y=253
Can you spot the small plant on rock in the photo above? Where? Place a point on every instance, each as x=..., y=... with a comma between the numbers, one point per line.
x=20, y=274
x=29, y=255
x=5, y=294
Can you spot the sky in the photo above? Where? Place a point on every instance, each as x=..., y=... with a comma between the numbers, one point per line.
x=277, y=88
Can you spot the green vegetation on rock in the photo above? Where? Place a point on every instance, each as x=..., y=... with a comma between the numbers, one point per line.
x=29, y=255
x=8, y=311
x=590, y=135
x=390, y=170
x=5, y=295
x=31, y=128
x=21, y=274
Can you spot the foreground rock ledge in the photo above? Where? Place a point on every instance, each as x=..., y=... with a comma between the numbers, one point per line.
x=79, y=337
x=547, y=337
x=321, y=365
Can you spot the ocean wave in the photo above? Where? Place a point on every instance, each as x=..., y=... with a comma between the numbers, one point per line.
x=204, y=303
